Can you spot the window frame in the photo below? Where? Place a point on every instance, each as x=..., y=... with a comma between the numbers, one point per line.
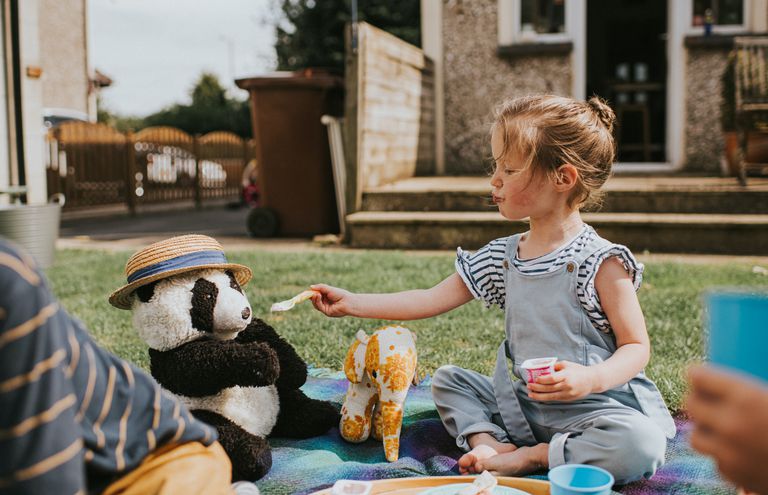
x=510, y=25
x=748, y=8
x=541, y=37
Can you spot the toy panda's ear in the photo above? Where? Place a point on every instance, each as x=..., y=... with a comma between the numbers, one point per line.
x=233, y=282
x=145, y=292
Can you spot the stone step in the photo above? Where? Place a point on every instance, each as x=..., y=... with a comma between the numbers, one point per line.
x=661, y=233
x=623, y=195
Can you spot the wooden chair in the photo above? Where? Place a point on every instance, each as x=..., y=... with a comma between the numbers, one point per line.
x=751, y=87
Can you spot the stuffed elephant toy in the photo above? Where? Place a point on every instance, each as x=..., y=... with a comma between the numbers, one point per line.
x=380, y=369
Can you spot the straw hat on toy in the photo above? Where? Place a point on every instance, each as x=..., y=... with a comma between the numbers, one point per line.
x=171, y=257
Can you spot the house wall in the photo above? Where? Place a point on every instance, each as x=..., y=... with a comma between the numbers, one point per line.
x=477, y=78
x=31, y=91
x=703, y=136
x=63, y=54
x=5, y=159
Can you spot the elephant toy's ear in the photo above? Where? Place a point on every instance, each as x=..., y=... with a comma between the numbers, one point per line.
x=354, y=363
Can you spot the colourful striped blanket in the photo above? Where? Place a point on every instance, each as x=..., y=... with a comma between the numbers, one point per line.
x=304, y=466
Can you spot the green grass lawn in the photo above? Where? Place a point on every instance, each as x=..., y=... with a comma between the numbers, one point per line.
x=467, y=337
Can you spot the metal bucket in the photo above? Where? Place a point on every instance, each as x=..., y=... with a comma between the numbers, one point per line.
x=33, y=227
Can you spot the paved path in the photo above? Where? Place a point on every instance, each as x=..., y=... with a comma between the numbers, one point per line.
x=214, y=221
x=120, y=231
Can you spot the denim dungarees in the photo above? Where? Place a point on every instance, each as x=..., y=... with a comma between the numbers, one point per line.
x=623, y=430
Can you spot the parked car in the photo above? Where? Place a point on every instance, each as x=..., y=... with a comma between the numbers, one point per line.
x=172, y=164
x=55, y=116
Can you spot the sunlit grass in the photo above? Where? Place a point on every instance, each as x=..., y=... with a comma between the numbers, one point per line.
x=467, y=337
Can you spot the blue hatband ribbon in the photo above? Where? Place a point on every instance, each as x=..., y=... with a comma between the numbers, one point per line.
x=183, y=261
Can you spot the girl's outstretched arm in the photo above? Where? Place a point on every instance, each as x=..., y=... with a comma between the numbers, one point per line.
x=406, y=305
x=573, y=381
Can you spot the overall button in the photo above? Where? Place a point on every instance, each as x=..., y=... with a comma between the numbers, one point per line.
x=505, y=264
x=570, y=267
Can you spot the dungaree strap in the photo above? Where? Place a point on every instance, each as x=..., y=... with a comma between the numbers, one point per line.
x=512, y=415
x=595, y=245
x=511, y=247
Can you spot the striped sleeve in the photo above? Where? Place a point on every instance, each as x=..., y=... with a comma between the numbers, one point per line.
x=39, y=440
x=483, y=271
x=587, y=293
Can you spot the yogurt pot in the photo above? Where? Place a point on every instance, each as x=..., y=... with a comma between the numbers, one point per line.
x=534, y=368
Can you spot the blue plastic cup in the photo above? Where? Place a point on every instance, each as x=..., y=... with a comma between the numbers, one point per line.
x=579, y=479
x=738, y=331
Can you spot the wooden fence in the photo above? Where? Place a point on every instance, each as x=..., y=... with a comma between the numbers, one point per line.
x=389, y=111
x=95, y=165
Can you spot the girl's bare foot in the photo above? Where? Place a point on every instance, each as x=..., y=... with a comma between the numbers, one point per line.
x=524, y=460
x=485, y=448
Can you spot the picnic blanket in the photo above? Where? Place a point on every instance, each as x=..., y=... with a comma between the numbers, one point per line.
x=305, y=466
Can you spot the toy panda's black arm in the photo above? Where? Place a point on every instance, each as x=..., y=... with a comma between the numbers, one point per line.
x=293, y=369
x=204, y=367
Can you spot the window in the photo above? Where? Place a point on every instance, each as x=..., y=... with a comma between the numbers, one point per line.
x=542, y=16
x=537, y=21
x=718, y=12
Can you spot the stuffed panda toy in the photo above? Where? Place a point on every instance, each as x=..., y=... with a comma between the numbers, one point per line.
x=232, y=371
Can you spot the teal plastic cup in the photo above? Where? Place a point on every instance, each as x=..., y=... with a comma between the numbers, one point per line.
x=738, y=331
x=579, y=479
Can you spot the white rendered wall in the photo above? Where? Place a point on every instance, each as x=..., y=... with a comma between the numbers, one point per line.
x=5, y=165
x=32, y=104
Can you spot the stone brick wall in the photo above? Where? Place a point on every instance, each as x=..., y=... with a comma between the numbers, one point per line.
x=703, y=136
x=63, y=54
x=476, y=79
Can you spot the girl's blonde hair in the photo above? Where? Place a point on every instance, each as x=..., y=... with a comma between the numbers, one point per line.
x=548, y=131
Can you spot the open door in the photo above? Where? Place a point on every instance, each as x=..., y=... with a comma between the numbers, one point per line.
x=627, y=65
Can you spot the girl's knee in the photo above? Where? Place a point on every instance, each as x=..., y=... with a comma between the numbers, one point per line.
x=444, y=375
x=444, y=384
x=641, y=452
x=630, y=447
x=650, y=448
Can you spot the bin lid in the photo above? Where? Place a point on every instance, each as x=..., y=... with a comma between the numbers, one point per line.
x=307, y=78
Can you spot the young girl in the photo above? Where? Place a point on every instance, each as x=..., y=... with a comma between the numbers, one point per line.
x=566, y=293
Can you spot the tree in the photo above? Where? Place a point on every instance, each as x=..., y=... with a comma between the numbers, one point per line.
x=208, y=92
x=122, y=123
x=211, y=110
x=311, y=34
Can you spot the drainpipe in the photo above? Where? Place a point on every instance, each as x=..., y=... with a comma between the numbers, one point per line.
x=432, y=45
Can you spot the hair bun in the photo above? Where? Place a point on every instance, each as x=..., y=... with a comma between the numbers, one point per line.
x=602, y=111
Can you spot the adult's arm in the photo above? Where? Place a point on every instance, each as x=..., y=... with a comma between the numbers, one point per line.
x=40, y=441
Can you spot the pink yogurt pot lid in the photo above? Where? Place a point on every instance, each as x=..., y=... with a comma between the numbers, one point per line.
x=538, y=363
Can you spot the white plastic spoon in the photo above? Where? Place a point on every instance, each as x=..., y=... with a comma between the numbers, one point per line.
x=290, y=303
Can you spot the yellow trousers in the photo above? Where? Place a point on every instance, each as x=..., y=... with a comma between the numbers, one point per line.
x=189, y=469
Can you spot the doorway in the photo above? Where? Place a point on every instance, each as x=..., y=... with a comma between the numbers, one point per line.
x=626, y=57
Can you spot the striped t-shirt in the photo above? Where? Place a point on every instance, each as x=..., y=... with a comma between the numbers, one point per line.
x=483, y=271
x=73, y=417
